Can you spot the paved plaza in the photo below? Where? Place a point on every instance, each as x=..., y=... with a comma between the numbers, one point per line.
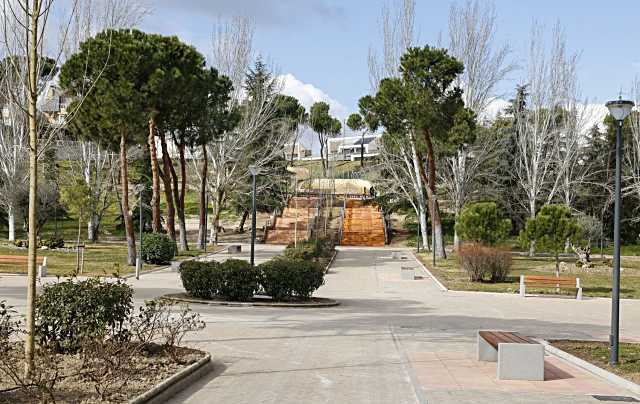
x=390, y=340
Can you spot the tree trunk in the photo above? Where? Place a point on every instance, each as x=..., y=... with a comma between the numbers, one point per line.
x=178, y=196
x=11, y=219
x=202, y=215
x=532, y=215
x=92, y=228
x=434, y=209
x=32, y=49
x=155, y=181
x=128, y=220
x=419, y=189
x=245, y=214
x=215, y=217
x=456, y=238
x=166, y=180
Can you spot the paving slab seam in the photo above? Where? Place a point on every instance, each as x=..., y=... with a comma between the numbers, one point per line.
x=406, y=366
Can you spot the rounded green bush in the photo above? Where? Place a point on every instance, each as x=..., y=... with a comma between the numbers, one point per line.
x=201, y=279
x=482, y=222
x=282, y=278
x=158, y=248
x=69, y=313
x=239, y=280
x=308, y=277
x=276, y=278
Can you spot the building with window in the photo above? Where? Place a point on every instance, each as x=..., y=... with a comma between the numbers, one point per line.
x=350, y=148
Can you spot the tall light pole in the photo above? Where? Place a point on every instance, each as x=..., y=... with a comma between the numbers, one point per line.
x=254, y=171
x=619, y=110
x=140, y=225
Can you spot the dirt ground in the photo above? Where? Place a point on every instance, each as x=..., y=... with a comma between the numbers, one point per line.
x=75, y=383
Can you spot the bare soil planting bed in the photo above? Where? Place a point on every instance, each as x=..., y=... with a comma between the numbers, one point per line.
x=76, y=382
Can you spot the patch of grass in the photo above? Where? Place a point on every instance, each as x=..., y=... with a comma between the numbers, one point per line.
x=595, y=283
x=101, y=259
x=597, y=353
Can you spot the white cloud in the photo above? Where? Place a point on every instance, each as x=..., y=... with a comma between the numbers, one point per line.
x=590, y=114
x=308, y=94
x=495, y=107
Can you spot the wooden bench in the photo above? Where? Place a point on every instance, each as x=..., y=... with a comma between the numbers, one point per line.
x=22, y=260
x=18, y=259
x=550, y=282
x=518, y=357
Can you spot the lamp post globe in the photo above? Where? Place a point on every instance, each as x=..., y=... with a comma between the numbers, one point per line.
x=619, y=110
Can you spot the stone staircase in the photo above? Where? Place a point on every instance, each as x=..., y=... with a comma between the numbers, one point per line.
x=362, y=225
x=284, y=229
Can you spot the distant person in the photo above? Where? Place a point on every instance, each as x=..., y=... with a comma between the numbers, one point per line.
x=372, y=192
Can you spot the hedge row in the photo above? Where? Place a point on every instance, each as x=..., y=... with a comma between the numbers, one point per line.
x=311, y=250
x=281, y=278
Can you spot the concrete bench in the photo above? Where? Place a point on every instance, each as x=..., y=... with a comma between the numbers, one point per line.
x=234, y=249
x=550, y=282
x=518, y=357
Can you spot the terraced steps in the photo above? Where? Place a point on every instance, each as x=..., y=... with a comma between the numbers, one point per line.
x=362, y=225
x=285, y=230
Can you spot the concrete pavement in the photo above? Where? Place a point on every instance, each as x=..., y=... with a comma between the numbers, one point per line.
x=390, y=341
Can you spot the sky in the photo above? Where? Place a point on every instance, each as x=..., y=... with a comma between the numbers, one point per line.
x=321, y=46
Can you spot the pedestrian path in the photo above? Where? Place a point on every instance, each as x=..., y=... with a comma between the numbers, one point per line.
x=391, y=341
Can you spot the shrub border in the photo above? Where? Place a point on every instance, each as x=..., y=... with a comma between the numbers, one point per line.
x=315, y=302
x=171, y=386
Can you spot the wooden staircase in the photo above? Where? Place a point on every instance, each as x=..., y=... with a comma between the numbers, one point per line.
x=362, y=225
x=284, y=229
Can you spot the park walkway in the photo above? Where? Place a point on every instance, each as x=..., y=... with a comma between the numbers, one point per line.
x=390, y=341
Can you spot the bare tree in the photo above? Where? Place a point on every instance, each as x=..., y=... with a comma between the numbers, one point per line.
x=632, y=151
x=232, y=51
x=398, y=34
x=398, y=159
x=537, y=128
x=13, y=143
x=229, y=157
x=397, y=31
x=472, y=29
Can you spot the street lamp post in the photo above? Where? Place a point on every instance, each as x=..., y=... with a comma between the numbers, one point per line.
x=619, y=110
x=140, y=225
x=254, y=171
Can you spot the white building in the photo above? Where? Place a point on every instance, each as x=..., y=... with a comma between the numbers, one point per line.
x=350, y=148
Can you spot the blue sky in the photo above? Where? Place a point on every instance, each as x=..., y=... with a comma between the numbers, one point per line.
x=324, y=43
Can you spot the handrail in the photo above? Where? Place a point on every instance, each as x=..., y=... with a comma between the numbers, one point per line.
x=339, y=241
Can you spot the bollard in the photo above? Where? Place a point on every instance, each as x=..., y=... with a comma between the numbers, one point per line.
x=138, y=266
x=522, y=287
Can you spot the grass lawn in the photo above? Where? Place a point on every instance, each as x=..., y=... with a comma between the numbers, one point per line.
x=596, y=282
x=597, y=353
x=99, y=259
